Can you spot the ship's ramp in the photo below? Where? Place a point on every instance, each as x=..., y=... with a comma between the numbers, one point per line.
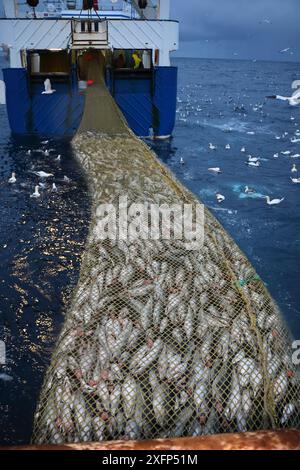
x=159, y=340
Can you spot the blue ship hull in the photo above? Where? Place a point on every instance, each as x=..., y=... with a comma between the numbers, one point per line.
x=146, y=101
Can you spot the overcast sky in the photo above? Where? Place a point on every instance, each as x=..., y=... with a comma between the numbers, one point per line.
x=241, y=29
x=238, y=28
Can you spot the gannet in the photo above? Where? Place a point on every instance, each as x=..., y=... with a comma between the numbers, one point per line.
x=293, y=100
x=48, y=88
x=42, y=174
x=13, y=178
x=272, y=202
x=252, y=159
x=294, y=168
x=249, y=190
x=36, y=192
x=220, y=198
x=215, y=170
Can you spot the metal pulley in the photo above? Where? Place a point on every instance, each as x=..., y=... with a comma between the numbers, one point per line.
x=143, y=4
x=33, y=3
x=87, y=4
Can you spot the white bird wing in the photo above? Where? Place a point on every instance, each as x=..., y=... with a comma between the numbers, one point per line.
x=2, y=92
x=295, y=84
x=296, y=94
x=283, y=98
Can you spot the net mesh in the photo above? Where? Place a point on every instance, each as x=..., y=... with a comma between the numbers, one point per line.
x=160, y=341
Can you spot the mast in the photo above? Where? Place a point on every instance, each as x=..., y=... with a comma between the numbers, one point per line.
x=10, y=8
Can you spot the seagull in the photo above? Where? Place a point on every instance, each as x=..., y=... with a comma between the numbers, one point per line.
x=295, y=180
x=294, y=140
x=36, y=192
x=45, y=142
x=276, y=155
x=212, y=147
x=243, y=149
x=58, y=158
x=296, y=155
x=28, y=152
x=286, y=152
x=249, y=190
x=48, y=87
x=227, y=147
x=13, y=178
x=54, y=187
x=293, y=100
x=272, y=202
x=294, y=168
x=182, y=161
x=284, y=50
x=42, y=174
x=253, y=163
x=252, y=159
x=215, y=170
x=220, y=198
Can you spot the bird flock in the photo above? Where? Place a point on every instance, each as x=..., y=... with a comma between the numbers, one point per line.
x=42, y=176
x=251, y=161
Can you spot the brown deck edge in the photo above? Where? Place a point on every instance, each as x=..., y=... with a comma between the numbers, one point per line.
x=263, y=440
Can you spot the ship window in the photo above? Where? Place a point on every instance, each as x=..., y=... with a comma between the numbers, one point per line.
x=49, y=62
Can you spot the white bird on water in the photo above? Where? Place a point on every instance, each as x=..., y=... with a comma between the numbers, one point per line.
x=276, y=155
x=273, y=202
x=36, y=193
x=228, y=147
x=182, y=162
x=286, y=152
x=212, y=147
x=294, y=168
x=293, y=100
x=42, y=174
x=253, y=163
x=249, y=190
x=215, y=169
x=48, y=87
x=252, y=159
x=220, y=198
x=295, y=180
x=243, y=150
x=13, y=178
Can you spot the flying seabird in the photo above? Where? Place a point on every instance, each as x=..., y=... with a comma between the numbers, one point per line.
x=48, y=87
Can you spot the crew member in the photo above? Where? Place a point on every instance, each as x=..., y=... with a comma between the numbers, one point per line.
x=138, y=64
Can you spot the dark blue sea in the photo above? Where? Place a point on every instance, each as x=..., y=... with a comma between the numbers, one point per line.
x=220, y=102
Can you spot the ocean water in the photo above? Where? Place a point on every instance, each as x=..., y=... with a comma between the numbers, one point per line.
x=219, y=102
x=223, y=102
